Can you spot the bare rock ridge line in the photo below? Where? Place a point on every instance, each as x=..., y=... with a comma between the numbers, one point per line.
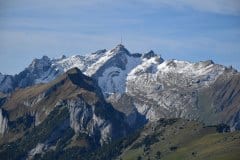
x=72, y=101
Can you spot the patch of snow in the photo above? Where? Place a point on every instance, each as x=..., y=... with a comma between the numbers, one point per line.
x=113, y=79
x=70, y=62
x=174, y=72
x=106, y=132
x=40, y=148
x=143, y=67
x=200, y=72
x=93, y=68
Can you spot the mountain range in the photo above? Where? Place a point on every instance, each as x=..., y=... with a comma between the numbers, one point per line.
x=105, y=102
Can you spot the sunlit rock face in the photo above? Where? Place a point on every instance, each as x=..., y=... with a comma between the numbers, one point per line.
x=3, y=122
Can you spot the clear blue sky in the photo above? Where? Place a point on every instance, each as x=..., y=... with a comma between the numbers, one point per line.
x=190, y=30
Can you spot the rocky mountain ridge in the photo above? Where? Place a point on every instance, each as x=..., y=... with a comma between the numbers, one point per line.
x=72, y=102
x=153, y=87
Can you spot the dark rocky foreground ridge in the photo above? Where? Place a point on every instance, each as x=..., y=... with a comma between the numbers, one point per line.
x=68, y=112
x=124, y=106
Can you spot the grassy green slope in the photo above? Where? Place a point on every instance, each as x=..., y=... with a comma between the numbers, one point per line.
x=182, y=140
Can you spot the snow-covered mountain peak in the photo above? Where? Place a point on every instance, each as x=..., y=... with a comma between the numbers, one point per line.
x=93, y=57
x=120, y=49
x=116, y=57
x=113, y=68
x=149, y=54
x=63, y=56
x=67, y=63
x=174, y=73
x=40, y=60
x=40, y=64
x=189, y=68
x=99, y=52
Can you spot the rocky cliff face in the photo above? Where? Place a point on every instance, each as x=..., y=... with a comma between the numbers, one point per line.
x=175, y=88
x=169, y=89
x=72, y=101
x=3, y=122
x=219, y=102
x=6, y=83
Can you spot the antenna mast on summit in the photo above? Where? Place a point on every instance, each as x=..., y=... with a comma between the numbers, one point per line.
x=121, y=39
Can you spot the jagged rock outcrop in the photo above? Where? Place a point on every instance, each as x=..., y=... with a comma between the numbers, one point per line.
x=3, y=122
x=125, y=104
x=6, y=83
x=83, y=119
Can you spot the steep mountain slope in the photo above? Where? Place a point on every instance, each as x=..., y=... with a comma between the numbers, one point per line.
x=66, y=113
x=111, y=69
x=170, y=89
x=220, y=102
x=174, y=89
